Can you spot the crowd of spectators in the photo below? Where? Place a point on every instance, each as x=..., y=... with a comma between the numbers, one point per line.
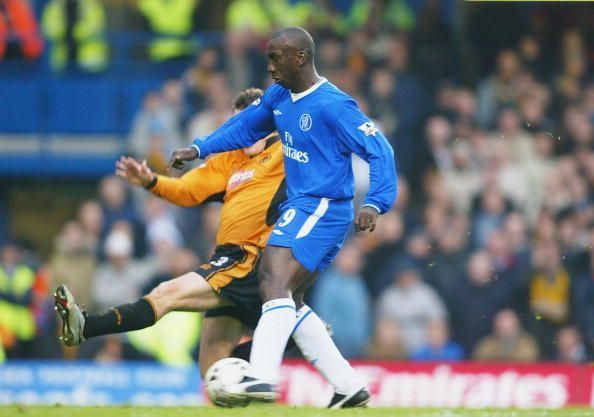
x=487, y=253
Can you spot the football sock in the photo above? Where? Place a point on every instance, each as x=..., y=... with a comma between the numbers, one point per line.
x=270, y=338
x=123, y=318
x=319, y=349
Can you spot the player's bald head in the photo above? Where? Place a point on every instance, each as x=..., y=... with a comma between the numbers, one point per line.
x=296, y=37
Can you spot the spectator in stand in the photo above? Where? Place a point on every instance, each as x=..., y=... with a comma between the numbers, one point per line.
x=175, y=262
x=74, y=261
x=411, y=304
x=570, y=347
x=451, y=254
x=461, y=179
x=172, y=23
x=387, y=343
x=489, y=215
x=499, y=89
x=439, y=347
x=531, y=56
x=162, y=232
x=583, y=299
x=216, y=111
x=90, y=217
x=483, y=296
x=76, y=31
x=19, y=32
x=240, y=59
x=549, y=295
x=569, y=83
x=155, y=130
x=195, y=81
x=438, y=134
x=116, y=206
x=349, y=315
x=508, y=341
x=17, y=323
x=380, y=249
x=120, y=279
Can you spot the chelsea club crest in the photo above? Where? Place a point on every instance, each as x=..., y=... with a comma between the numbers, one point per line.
x=305, y=122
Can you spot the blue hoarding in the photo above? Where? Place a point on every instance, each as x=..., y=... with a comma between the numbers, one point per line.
x=90, y=383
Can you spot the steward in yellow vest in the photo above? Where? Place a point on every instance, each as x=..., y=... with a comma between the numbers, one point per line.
x=16, y=285
x=76, y=29
x=172, y=23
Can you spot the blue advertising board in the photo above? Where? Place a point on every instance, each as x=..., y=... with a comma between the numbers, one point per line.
x=90, y=383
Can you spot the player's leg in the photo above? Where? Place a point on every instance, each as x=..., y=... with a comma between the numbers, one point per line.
x=189, y=292
x=219, y=336
x=313, y=339
x=279, y=275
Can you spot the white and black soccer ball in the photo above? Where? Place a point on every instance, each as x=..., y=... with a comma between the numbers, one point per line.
x=225, y=372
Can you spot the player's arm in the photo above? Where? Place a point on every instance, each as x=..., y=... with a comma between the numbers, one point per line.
x=356, y=133
x=248, y=126
x=201, y=184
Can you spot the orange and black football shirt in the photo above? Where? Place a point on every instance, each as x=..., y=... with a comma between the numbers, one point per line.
x=251, y=189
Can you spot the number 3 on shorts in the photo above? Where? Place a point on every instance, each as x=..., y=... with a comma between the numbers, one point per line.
x=220, y=262
x=287, y=217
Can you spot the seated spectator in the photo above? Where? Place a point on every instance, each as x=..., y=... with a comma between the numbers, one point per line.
x=438, y=346
x=489, y=214
x=155, y=131
x=74, y=261
x=348, y=314
x=500, y=89
x=175, y=262
x=380, y=249
x=386, y=343
x=411, y=304
x=17, y=323
x=90, y=216
x=120, y=279
x=116, y=206
x=548, y=295
x=508, y=341
x=483, y=296
x=570, y=347
x=161, y=230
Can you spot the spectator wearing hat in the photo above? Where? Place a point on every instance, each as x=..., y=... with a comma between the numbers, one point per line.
x=120, y=279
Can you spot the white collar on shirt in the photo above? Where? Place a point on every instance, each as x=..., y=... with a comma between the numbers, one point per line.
x=298, y=96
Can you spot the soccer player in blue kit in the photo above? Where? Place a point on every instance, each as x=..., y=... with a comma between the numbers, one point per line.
x=320, y=127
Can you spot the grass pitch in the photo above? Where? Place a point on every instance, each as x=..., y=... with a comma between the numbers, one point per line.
x=274, y=411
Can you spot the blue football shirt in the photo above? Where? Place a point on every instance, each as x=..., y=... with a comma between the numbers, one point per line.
x=320, y=128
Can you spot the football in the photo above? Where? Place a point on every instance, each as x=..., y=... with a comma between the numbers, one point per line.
x=225, y=372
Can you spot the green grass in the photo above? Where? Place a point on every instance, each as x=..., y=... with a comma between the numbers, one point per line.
x=274, y=411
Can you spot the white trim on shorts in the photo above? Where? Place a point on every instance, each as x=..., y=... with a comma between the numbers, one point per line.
x=313, y=219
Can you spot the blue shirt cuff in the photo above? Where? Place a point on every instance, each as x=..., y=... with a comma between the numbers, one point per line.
x=374, y=206
x=197, y=149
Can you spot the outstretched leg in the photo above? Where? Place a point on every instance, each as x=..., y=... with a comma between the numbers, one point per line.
x=189, y=292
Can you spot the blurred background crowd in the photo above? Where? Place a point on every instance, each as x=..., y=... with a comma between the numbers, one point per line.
x=487, y=254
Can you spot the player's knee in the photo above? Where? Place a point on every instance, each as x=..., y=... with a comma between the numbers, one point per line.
x=165, y=293
x=272, y=286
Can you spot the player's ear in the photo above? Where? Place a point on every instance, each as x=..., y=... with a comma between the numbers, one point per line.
x=301, y=57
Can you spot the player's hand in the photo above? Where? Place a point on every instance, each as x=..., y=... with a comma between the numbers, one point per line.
x=366, y=219
x=180, y=156
x=134, y=172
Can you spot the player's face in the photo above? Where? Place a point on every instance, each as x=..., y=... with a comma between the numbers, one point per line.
x=281, y=64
